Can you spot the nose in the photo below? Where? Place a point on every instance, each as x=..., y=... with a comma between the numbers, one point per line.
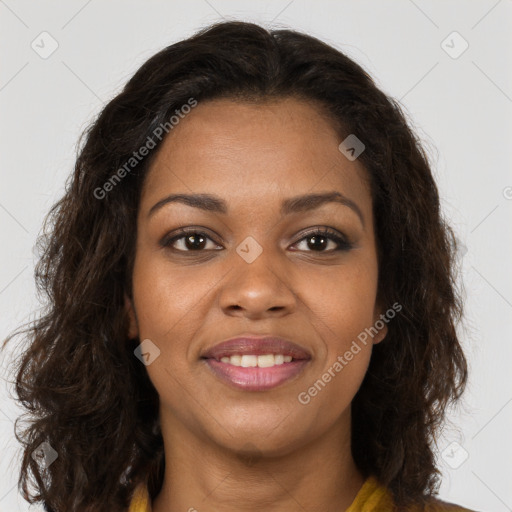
x=259, y=289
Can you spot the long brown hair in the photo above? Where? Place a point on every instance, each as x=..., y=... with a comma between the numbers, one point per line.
x=85, y=392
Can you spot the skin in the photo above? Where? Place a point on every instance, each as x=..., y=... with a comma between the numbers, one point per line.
x=228, y=449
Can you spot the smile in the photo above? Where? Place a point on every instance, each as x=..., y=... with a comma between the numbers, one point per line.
x=256, y=373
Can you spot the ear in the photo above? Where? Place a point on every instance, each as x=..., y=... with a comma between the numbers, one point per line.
x=133, y=328
x=380, y=322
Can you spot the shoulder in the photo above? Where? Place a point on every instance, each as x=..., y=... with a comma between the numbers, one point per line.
x=374, y=497
x=437, y=505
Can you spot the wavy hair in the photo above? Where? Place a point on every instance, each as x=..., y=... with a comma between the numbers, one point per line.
x=83, y=390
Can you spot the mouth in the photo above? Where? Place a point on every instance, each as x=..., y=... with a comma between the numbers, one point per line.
x=255, y=363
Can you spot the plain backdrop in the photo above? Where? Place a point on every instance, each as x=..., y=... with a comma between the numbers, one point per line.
x=447, y=62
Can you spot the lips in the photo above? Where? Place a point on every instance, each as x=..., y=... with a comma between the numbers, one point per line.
x=256, y=369
x=254, y=345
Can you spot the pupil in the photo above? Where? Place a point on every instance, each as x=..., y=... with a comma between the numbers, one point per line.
x=190, y=241
x=318, y=237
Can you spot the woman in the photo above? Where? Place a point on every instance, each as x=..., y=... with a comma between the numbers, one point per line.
x=252, y=299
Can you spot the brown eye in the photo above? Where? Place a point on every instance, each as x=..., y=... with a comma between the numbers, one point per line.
x=189, y=241
x=324, y=241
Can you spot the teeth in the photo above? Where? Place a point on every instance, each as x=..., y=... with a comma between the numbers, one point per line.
x=235, y=360
x=265, y=361
x=251, y=361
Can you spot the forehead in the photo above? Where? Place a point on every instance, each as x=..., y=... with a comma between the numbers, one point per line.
x=254, y=152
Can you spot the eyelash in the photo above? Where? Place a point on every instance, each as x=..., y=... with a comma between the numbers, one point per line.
x=343, y=244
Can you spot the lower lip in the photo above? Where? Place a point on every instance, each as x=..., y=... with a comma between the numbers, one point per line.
x=255, y=378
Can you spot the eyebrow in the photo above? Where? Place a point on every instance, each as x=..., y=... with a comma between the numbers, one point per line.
x=297, y=204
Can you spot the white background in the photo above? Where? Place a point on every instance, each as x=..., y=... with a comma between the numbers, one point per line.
x=459, y=106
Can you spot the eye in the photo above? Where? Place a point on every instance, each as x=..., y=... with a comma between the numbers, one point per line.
x=190, y=240
x=318, y=240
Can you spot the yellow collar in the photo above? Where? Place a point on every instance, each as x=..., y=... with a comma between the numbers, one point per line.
x=371, y=497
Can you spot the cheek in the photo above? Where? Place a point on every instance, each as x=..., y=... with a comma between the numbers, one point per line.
x=168, y=299
x=170, y=303
x=345, y=299
x=342, y=310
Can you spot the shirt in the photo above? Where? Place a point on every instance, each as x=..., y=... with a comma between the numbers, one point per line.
x=372, y=497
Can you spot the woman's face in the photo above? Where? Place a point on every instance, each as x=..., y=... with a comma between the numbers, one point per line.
x=255, y=269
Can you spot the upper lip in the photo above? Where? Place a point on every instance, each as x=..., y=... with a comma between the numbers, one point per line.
x=256, y=345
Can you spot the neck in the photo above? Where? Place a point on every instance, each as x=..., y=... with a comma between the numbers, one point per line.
x=201, y=475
